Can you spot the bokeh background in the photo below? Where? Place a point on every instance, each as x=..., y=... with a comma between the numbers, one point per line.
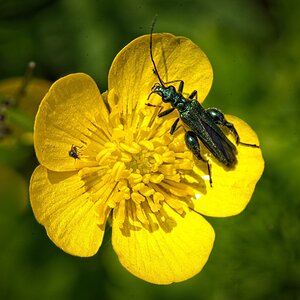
x=254, y=48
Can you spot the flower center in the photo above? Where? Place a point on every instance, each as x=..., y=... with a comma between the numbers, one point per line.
x=140, y=167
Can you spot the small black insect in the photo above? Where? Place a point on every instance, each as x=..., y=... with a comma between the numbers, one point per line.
x=74, y=152
x=204, y=124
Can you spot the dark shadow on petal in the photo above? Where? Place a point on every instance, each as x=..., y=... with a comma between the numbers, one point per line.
x=166, y=223
x=57, y=177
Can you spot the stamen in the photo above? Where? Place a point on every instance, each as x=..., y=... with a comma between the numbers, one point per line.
x=144, y=169
x=137, y=198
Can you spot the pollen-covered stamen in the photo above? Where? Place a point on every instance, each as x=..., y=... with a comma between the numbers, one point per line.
x=137, y=169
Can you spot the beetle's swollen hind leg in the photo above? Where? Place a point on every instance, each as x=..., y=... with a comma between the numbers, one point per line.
x=192, y=143
x=220, y=120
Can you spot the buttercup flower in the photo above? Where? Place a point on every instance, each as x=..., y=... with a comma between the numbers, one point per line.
x=109, y=157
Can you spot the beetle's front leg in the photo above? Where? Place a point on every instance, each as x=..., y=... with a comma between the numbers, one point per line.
x=165, y=112
x=161, y=113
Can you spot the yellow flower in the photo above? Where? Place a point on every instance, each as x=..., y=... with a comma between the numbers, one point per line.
x=110, y=157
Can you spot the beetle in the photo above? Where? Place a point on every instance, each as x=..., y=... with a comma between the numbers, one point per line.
x=204, y=124
x=74, y=152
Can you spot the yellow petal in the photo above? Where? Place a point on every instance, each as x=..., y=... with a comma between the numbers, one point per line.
x=131, y=75
x=232, y=188
x=61, y=204
x=175, y=251
x=67, y=116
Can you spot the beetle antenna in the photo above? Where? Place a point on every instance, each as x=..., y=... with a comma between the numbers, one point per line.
x=151, y=50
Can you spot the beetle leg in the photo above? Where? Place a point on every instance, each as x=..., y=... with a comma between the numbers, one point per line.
x=216, y=115
x=174, y=126
x=219, y=119
x=193, y=94
x=166, y=112
x=192, y=143
x=232, y=129
x=180, y=88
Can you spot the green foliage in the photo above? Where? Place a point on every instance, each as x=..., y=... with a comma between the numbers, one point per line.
x=254, y=49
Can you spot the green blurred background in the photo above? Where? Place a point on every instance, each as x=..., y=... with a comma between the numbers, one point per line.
x=254, y=48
